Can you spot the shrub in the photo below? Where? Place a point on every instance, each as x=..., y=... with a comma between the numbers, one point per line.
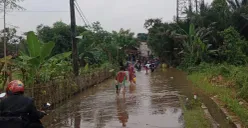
x=233, y=47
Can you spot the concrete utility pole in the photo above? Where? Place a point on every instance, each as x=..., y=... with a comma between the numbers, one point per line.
x=4, y=27
x=73, y=38
x=4, y=38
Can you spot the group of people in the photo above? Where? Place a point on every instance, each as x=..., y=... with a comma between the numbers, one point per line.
x=18, y=111
x=125, y=77
x=148, y=65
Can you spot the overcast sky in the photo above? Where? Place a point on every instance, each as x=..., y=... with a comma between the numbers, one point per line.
x=112, y=14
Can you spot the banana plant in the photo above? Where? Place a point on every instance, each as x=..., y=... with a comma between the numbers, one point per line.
x=86, y=51
x=195, y=42
x=37, y=51
x=36, y=55
x=56, y=66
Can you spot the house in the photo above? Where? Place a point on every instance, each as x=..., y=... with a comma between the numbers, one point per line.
x=145, y=52
x=142, y=52
x=132, y=52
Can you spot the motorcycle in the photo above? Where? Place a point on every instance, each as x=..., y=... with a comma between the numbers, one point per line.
x=17, y=122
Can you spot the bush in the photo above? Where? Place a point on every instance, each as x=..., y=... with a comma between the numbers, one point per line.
x=233, y=48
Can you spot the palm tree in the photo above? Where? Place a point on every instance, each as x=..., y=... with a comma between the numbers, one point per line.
x=239, y=16
x=237, y=4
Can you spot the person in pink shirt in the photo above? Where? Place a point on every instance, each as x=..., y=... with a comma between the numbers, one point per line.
x=131, y=73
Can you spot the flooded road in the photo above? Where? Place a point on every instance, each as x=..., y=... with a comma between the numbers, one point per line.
x=152, y=103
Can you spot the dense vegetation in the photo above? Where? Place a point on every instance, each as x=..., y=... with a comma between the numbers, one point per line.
x=216, y=34
x=45, y=56
x=212, y=46
x=96, y=46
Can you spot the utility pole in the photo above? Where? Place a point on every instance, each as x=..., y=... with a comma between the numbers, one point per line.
x=177, y=11
x=4, y=27
x=4, y=37
x=73, y=39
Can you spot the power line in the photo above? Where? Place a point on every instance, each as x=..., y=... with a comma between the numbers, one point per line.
x=81, y=13
x=81, y=16
x=41, y=11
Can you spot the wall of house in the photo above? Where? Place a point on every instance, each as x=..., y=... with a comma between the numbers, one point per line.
x=144, y=49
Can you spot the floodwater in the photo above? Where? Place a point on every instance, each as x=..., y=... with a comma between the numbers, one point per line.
x=152, y=103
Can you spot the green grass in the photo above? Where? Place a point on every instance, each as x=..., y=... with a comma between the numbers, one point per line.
x=225, y=94
x=195, y=118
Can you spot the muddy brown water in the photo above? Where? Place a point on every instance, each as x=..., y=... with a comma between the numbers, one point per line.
x=152, y=103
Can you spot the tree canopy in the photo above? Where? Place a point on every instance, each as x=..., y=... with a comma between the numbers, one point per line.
x=218, y=33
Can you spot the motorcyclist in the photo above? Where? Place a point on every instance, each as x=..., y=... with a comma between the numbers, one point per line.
x=19, y=106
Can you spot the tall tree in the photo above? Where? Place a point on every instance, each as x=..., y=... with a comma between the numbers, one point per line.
x=12, y=4
x=239, y=20
x=12, y=41
x=8, y=5
x=142, y=36
x=58, y=33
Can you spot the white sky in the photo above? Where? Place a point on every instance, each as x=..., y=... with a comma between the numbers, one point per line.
x=112, y=14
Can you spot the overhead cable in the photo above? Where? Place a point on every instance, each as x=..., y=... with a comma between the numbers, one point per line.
x=41, y=11
x=81, y=16
x=81, y=13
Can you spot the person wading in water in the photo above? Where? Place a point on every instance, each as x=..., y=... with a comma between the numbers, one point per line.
x=121, y=79
x=131, y=73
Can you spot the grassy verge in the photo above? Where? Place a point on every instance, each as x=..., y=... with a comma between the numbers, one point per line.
x=195, y=117
x=227, y=94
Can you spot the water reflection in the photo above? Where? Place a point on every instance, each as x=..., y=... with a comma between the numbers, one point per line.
x=122, y=113
x=77, y=120
x=143, y=105
x=152, y=103
x=132, y=89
